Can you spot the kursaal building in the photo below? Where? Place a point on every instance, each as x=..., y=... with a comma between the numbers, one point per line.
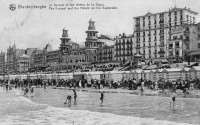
x=167, y=35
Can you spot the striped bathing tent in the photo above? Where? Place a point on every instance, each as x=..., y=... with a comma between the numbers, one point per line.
x=146, y=74
x=195, y=72
x=116, y=75
x=158, y=74
x=171, y=74
x=184, y=73
x=138, y=74
x=152, y=75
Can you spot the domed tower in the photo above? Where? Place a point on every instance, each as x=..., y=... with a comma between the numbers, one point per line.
x=91, y=35
x=65, y=45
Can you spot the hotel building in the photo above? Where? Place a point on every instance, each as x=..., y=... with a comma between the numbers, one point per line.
x=154, y=31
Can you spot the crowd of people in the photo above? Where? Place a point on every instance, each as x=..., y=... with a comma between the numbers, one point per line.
x=131, y=84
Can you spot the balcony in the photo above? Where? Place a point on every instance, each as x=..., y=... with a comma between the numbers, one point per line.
x=161, y=21
x=161, y=52
x=137, y=25
x=137, y=41
x=177, y=47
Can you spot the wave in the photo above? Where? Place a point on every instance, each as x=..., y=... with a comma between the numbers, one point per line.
x=25, y=111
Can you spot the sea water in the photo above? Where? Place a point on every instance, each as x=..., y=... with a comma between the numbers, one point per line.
x=46, y=107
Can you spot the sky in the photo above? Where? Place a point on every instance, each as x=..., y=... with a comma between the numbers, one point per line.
x=34, y=28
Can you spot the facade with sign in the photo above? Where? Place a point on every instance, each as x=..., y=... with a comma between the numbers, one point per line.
x=153, y=31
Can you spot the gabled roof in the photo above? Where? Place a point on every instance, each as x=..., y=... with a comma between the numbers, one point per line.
x=138, y=71
x=159, y=70
x=106, y=37
x=185, y=69
x=195, y=68
x=148, y=14
x=146, y=71
x=172, y=70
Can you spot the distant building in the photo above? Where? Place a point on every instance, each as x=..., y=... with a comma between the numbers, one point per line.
x=81, y=58
x=23, y=63
x=153, y=31
x=12, y=55
x=2, y=62
x=46, y=59
x=106, y=54
x=93, y=42
x=124, y=48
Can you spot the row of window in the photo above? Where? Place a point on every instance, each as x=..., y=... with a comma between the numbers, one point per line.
x=161, y=26
x=161, y=15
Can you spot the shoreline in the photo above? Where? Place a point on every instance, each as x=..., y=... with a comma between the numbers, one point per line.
x=147, y=92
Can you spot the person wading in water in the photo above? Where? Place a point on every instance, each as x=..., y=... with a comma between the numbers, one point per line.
x=75, y=94
x=173, y=99
x=102, y=97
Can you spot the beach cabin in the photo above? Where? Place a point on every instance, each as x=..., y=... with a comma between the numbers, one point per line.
x=117, y=75
x=158, y=74
x=138, y=74
x=171, y=74
x=195, y=72
x=32, y=76
x=96, y=75
x=108, y=76
x=88, y=78
x=184, y=73
x=146, y=74
x=152, y=75
x=131, y=74
x=125, y=75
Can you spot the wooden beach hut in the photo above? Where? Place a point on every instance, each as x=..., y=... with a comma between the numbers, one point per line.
x=158, y=74
x=138, y=74
x=195, y=72
x=146, y=74
x=152, y=75
x=117, y=75
x=171, y=74
x=131, y=74
x=184, y=73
